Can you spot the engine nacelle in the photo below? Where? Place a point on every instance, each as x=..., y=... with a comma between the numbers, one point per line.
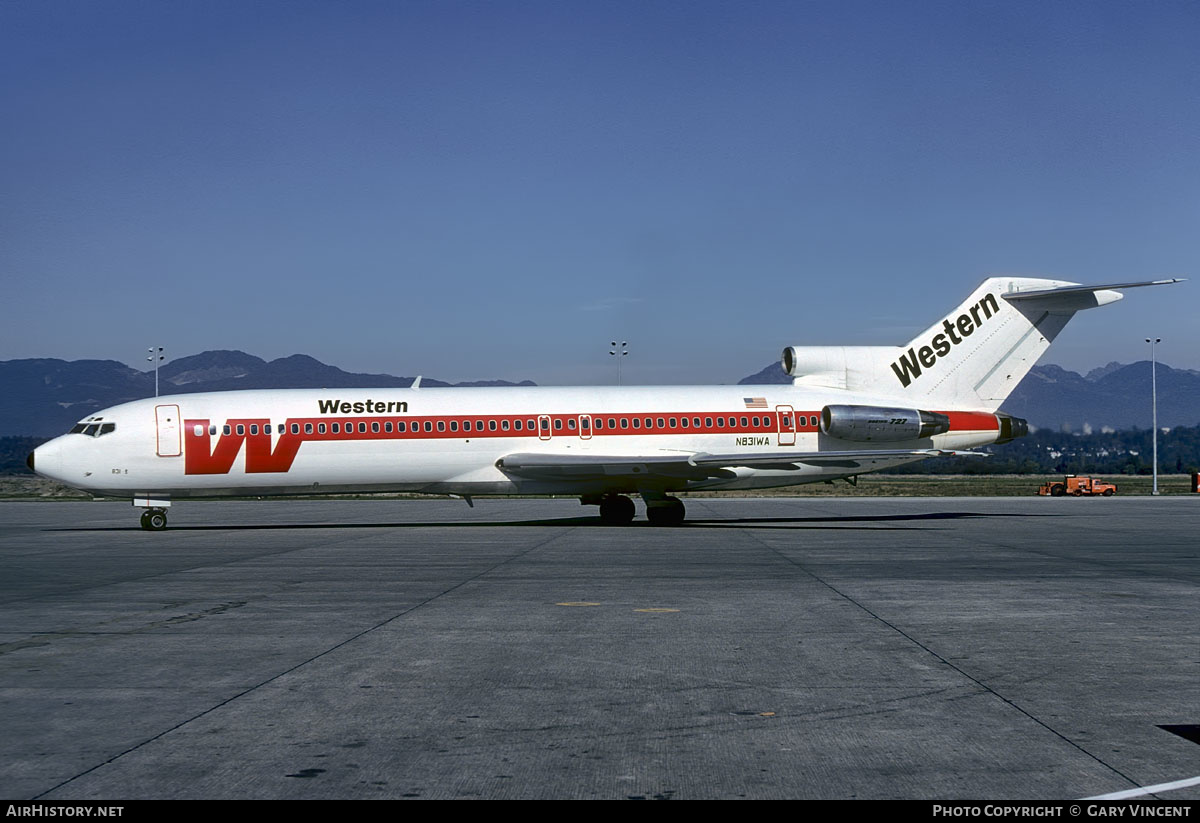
x=1011, y=427
x=881, y=424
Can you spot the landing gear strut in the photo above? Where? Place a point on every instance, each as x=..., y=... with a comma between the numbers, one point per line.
x=616, y=510
x=154, y=520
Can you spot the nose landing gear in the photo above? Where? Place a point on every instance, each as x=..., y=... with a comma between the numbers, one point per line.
x=154, y=520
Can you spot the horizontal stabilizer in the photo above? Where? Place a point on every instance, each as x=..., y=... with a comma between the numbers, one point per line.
x=1030, y=295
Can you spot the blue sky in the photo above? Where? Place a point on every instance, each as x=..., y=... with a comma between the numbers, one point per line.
x=475, y=190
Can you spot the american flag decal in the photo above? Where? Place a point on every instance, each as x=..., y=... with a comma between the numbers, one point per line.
x=755, y=402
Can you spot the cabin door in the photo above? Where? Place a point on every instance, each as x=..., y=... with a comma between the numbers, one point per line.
x=585, y=427
x=166, y=420
x=786, y=417
x=543, y=427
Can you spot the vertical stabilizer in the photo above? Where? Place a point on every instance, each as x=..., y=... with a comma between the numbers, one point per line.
x=973, y=357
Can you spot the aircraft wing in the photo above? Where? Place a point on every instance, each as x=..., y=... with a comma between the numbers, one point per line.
x=698, y=465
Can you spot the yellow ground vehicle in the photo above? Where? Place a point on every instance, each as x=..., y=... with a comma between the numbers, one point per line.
x=1077, y=487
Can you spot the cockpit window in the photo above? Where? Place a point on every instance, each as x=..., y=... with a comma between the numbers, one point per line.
x=93, y=428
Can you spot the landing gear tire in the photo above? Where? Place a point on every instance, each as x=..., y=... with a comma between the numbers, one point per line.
x=154, y=520
x=616, y=511
x=669, y=512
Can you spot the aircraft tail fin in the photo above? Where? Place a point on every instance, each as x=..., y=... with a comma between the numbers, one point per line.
x=974, y=357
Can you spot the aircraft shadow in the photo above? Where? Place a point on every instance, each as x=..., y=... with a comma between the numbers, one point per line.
x=868, y=522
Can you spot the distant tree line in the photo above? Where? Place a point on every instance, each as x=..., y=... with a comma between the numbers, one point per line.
x=1042, y=452
x=1129, y=451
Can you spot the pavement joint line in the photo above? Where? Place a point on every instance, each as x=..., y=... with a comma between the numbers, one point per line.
x=303, y=663
x=749, y=533
x=1151, y=790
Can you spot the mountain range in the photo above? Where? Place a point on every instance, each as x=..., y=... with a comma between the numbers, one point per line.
x=44, y=397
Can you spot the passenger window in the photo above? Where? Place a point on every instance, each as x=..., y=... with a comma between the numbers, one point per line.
x=612, y=422
x=441, y=425
x=812, y=421
x=335, y=428
x=787, y=421
x=254, y=428
x=530, y=424
x=226, y=430
x=241, y=428
x=295, y=428
x=212, y=429
x=570, y=423
x=683, y=422
x=466, y=425
x=387, y=426
x=649, y=422
x=478, y=425
x=545, y=424
x=491, y=425
x=308, y=428
x=674, y=422
x=660, y=422
x=584, y=423
x=428, y=426
x=754, y=420
x=197, y=430
x=558, y=424
x=517, y=425
x=279, y=429
x=624, y=422
x=599, y=422
x=637, y=423
x=320, y=428
x=453, y=425
x=401, y=426
x=375, y=427
x=696, y=422
x=504, y=425
x=745, y=422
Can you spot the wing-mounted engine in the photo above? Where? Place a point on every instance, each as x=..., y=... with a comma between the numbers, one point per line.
x=875, y=424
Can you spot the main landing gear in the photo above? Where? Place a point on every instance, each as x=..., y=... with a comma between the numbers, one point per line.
x=154, y=520
x=618, y=510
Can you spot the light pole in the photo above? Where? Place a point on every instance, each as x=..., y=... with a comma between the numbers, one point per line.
x=155, y=360
x=618, y=353
x=1154, y=405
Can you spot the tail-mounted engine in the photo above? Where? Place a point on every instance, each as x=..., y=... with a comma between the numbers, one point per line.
x=1011, y=428
x=879, y=424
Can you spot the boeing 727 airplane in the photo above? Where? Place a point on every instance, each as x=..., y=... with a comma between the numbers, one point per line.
x=849, y=410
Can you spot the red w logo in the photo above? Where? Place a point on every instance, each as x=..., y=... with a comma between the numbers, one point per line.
x=200, y=456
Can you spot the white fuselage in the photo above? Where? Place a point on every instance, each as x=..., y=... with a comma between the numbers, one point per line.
x=449, y=440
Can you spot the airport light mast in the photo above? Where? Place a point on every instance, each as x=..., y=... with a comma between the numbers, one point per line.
x=1154, y=407
x=156, y=361
x=618, y=353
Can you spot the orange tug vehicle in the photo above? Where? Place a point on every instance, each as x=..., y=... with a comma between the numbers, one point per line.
x=1077, y=487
